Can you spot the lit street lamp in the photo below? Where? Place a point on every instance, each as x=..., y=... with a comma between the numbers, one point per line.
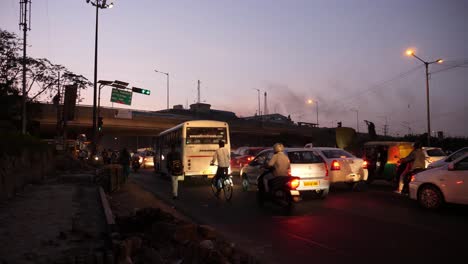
x=426, y=63
x=310, y=101
x=99, y=4
x=167, y=75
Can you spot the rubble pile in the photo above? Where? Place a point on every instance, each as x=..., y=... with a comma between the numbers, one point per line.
x=151, y=235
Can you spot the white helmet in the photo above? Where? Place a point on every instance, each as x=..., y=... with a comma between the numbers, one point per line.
x=278, y=147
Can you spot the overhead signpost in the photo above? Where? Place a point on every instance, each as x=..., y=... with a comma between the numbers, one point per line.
x=121, y=96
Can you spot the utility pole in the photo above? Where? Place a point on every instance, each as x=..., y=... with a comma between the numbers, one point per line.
x=265, y=105
x=259, y=109
x=198, y=92
x=25, y=24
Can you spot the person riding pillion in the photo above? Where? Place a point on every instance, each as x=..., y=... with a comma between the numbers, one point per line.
x=222, y=156
x=280, y=164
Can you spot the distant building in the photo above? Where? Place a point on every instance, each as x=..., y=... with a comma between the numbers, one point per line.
x=272, y=118
x=200, y=111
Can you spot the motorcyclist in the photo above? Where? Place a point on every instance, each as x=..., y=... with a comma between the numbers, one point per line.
x=280, y=164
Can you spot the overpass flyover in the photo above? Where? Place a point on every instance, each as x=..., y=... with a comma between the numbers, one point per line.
x=136, y=128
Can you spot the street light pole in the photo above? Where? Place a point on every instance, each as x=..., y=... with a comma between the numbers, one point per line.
x=167, y=86
x=310, y=101
x=426, y=64
x=98, y=4
x=259, y=113
x=357, y=119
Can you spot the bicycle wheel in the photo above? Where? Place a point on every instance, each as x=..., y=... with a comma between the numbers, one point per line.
x=227, y=189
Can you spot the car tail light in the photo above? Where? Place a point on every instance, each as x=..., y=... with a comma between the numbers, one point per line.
x=364, y=164
x=293, y=184
x=413, y=178
x=250, y=158
x=289, y=171
x=335, y=165
x=140, y=159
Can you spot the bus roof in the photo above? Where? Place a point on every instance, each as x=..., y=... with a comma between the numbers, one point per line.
x=195, y=123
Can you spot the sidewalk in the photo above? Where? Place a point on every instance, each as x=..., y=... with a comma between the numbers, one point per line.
x=54, y=222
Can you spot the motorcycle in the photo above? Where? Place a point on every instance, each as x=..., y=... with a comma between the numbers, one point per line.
x=282, y=191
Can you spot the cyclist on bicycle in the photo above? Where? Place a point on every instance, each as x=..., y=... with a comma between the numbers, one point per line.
x=280, y=164
x=221, y=155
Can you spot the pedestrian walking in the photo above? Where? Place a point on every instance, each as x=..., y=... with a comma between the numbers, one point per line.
x=175, y=169
x=415, y=161
x=124, y=160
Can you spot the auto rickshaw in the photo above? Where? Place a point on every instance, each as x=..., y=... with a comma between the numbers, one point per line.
x=383, y=158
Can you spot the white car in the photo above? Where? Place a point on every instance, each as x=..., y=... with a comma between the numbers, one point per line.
x=433, y=154
x=305, y=164
x=343, y=166
x=448, y=183
x=448, y=159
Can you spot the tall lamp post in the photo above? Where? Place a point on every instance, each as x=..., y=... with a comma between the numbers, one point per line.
x=426, y=63
x=310, y=101
x=99, y=4
x=167, y=83
x=357, y=118
x=259, y=109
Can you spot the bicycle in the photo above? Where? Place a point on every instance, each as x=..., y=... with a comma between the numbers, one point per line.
x=225, y=184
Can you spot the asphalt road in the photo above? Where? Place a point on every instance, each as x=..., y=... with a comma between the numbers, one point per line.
x=374, y=225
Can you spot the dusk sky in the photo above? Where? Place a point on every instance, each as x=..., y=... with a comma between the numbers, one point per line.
x=344, y=54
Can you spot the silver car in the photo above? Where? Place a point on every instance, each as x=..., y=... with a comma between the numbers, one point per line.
x=343, y=166
x=305, y=164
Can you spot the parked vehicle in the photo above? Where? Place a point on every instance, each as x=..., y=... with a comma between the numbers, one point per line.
x=433, y=154
x=242, y=156
x=282, y=191
x=383, y=158
x=306, y=164
x=343, y=167
x=445, y=184
x=449, y=158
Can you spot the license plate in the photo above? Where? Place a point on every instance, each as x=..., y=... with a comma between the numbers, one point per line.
x=311, y=183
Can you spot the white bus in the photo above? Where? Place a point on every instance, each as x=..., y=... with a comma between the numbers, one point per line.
x=196, y=141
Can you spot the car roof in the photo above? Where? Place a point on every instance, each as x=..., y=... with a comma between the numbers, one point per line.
x=290, y=149
x=328, y=148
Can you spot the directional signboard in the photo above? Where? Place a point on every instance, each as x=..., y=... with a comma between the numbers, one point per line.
x=121, y=96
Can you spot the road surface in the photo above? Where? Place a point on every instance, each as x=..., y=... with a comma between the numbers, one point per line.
x=348, y=226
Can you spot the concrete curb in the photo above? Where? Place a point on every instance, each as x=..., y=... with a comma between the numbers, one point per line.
x=110, y=220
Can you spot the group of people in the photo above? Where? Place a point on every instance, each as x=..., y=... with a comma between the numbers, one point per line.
x=279, y=163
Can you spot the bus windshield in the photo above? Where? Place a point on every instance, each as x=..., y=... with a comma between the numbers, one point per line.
x=205, y=135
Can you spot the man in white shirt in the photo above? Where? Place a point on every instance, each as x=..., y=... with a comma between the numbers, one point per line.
x=221, y=155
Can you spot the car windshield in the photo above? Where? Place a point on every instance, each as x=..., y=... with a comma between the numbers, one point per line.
x=435, y=153
x=304, y=157
x=336, y=153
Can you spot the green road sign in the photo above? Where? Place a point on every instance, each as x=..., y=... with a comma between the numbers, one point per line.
x=121, y=96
